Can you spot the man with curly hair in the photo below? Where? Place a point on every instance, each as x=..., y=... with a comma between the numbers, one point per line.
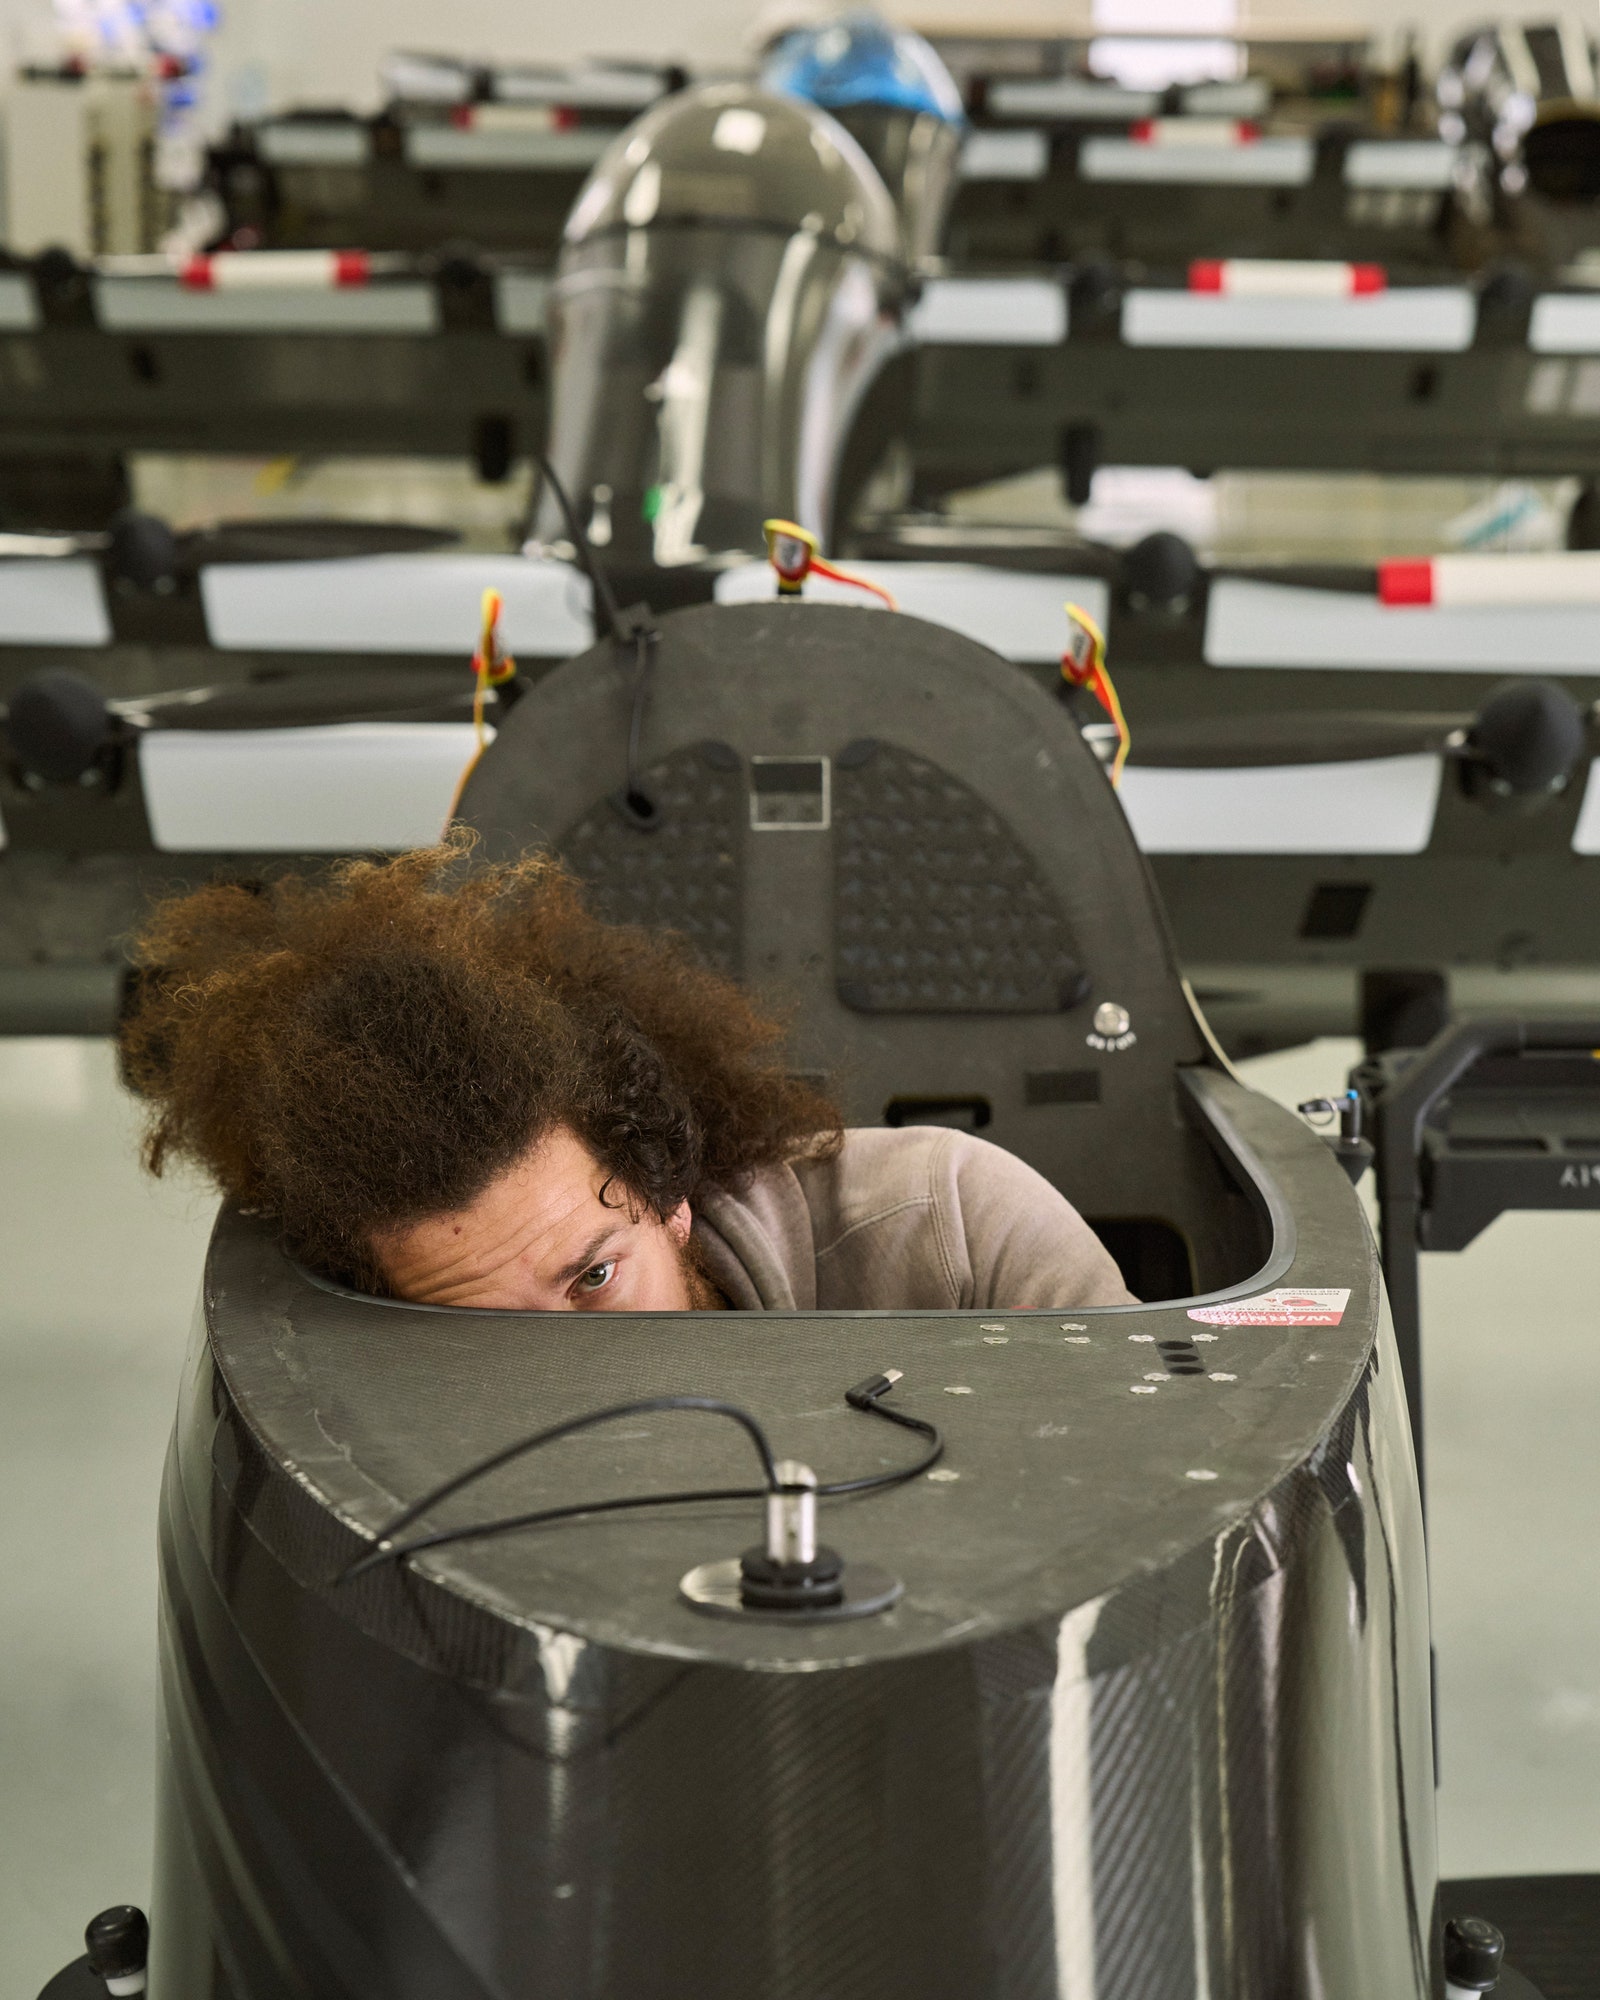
x=451, y=1083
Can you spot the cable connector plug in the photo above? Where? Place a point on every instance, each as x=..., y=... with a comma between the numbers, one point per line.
x=865, y=1394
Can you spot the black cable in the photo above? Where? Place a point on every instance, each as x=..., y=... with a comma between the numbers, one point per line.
x=482, y=1530
x=708, y=1405
x=637, y=805
x=600, y=583
x=865, y=1397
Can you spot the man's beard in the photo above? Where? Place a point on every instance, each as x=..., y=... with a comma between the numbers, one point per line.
x=704, y=1295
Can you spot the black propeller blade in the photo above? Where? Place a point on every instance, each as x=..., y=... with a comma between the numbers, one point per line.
x=1298, y=736
x=60, y=726
x=1524, y=741
x=141, y=550
x=294, y=699
x=304, y=540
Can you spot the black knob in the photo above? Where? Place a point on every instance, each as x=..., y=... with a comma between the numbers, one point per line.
x=141, y=550
x=1528, y=735
x=118, y=1942
x=1160, y=573
x=1473, y=1951
x=57, y=267
x=459, y=268
x=58, y=724
x=1583, y=522
x=1508, y=287
x=1096, y=290
x=59, y=275
x=769, y=1585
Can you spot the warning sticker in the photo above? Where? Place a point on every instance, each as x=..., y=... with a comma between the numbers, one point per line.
x=1288, y=1307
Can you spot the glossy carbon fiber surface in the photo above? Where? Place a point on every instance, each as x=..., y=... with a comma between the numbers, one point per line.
x=1150, y=1721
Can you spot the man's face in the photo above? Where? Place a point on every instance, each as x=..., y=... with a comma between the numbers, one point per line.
x=540, y=1239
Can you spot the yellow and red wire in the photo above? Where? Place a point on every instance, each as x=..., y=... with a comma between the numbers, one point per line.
x=792, y=552
x=1083, y=664
x=492, y=667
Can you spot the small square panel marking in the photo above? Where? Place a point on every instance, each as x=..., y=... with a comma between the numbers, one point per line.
x=790, y=794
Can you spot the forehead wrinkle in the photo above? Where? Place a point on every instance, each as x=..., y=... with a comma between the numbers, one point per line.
x=477, y=1259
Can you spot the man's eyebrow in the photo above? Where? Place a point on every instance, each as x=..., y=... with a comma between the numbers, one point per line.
x=585, y=1260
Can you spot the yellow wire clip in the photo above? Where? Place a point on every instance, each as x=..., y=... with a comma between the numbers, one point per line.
x=792, y=552
x=492, y=666
x=491, y=658
x=1083, y=664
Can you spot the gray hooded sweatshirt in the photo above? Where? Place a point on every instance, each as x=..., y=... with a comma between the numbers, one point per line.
x=904, y=1221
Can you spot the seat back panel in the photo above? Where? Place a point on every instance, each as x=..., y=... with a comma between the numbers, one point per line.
x=907, y=848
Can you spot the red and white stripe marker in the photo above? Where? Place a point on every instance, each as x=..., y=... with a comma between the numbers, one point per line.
x=1194, y=132
x=1285, y=278
x=513, y=117
x=1451, y=581
x=276, y=270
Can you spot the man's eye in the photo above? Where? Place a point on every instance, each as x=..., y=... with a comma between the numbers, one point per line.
x=598, y=1276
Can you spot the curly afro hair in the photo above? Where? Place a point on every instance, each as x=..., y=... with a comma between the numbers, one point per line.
x=353, y=1051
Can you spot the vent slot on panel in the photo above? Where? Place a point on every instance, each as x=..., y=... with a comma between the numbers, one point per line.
x=1061, y=1086
x=789, y=794
x=964, y=1114
x=1335, y=909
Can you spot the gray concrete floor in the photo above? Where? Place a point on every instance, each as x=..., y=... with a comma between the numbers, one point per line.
x=100, y=1270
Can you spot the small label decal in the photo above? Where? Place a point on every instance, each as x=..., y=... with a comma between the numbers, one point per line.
x=1289, y=1306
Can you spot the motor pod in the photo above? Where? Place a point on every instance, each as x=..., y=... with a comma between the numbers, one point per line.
x=118, y=1945
x=1160, y=573
x=63, y=287
x=1526, y=92
x=1098, y=283
x=141, y=552
x=1561, y=153
x=1506, y=294
x=60, y=726
x=1525, y=741
x=1583, y=520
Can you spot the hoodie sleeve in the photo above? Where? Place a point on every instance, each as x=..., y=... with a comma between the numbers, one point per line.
x=926, y=1218
x=1021, y=1243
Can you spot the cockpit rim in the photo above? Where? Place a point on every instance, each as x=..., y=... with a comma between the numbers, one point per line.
x=1200, y=1083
